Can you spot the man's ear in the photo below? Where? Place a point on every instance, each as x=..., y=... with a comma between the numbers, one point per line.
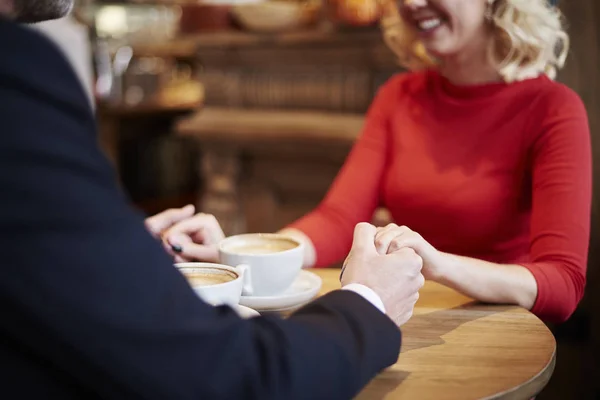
x=7, y=8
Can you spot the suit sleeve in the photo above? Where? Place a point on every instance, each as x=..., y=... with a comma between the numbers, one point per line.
x=561, y=197
x=90, y=294
x=355, y=193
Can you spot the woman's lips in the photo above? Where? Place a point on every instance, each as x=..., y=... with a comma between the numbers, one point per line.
x=426, y=26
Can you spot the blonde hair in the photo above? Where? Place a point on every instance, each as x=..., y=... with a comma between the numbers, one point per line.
x=529, y=39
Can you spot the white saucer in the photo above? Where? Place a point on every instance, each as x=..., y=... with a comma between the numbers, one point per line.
x=246, y=312
x=304, y=289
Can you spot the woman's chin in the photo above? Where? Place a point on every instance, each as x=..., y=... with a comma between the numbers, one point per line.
x=436, y=52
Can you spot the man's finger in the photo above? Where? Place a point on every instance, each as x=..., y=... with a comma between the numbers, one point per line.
x=408, y=252
x=364, y=238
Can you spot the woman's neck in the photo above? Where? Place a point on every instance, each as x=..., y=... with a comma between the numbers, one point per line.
x=467, y=75
x=470, y=67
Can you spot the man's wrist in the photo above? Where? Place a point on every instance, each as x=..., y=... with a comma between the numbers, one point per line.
x=367, y=293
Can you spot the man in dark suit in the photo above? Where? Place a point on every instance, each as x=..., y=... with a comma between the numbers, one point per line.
x=90, y=304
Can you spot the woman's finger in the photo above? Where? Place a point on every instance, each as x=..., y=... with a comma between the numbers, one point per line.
x=409, y=239
x=385, y=236
x=207, y=224
x=156, y=224
x=199, y=252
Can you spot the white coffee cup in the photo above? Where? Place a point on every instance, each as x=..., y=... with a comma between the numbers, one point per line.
x=216, y=284
x=273, y=260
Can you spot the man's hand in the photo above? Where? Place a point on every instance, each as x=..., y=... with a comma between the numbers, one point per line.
x=195, y=238
x=395, y=277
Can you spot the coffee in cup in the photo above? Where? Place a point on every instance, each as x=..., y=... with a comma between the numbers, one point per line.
x=273, y=260
x=208, y=277
x=262, y=247
x=215, y=283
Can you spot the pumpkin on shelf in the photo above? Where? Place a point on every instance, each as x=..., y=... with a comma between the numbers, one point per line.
x=355, y=13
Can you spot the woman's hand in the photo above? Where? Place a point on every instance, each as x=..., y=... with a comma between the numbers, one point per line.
x=393, y=237
x=160, y=222
x=194, y=239
x=478, y=279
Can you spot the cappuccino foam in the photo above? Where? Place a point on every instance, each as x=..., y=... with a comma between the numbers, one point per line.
x=208, y=278
x=261, y=247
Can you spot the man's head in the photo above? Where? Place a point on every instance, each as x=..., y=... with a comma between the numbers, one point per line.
x=30, y=11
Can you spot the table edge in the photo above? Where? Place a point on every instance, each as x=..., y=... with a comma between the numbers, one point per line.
x=532, y=387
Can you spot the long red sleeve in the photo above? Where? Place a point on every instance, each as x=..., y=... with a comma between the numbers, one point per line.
x=498, y=172
x=561, y=207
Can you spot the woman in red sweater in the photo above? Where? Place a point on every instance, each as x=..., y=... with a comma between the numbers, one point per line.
x=478, y=154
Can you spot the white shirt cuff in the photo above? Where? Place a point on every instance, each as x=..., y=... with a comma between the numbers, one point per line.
x=367, y=293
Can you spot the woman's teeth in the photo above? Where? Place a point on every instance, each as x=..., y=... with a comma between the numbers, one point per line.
x=429, y=24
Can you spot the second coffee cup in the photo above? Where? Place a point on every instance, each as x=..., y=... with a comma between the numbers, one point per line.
x=274, y=260
x=216, y=284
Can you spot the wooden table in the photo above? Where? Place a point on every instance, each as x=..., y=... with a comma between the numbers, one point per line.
x=454, y=348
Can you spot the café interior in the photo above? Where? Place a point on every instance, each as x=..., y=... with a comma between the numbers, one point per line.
x=248, y=109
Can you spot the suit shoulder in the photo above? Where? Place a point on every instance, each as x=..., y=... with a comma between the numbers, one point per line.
x=32, y=63
x=24, y=48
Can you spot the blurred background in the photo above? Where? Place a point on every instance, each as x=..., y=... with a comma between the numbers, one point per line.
x=248, y=109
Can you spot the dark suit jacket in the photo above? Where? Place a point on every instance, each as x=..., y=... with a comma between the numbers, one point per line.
x=90, y=305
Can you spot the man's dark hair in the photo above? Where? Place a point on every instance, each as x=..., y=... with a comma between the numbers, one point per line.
x=30, y=11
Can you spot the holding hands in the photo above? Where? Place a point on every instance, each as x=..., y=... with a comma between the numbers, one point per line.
x=392, y=238
x=395, y=277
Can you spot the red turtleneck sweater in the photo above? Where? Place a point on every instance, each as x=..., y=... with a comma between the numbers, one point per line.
x=499, y=172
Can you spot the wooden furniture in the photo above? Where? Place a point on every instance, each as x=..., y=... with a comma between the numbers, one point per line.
x=154, y=168
x=281, y=114
x=317, y=70
x=454, y=348
x=111, y=118
x=263, y=169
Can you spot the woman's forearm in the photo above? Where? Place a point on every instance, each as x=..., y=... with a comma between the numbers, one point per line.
x=489, y=282
x=310, y=255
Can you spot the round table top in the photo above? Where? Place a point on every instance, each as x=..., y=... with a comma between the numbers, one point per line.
x=455, y=348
